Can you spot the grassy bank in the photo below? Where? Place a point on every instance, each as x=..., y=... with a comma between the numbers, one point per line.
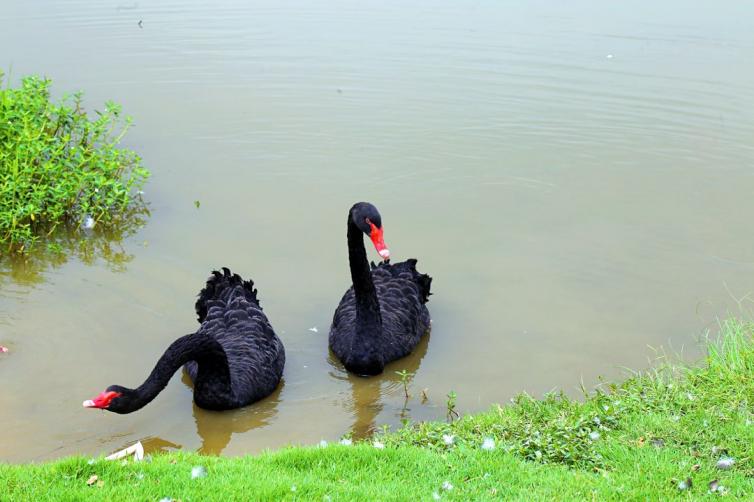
x=675, y=432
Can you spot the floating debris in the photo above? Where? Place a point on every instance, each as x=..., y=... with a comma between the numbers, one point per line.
x=725, y=463
x=88, y=222
x=609, y=56
x=314, y=329
x=448, y=439
x=447, y=485
x=198, y=472
x=594, y=435
x=346, y=442
x=137, y=450
x=658, y=443
x=488, y=444
x=92, y=479
x=685, y=485
x=379, y=445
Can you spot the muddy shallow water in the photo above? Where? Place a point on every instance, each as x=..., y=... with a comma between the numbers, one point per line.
x=577, y=179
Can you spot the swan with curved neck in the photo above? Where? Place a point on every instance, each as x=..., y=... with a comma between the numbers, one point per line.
x=234, y=358
x=383, y=315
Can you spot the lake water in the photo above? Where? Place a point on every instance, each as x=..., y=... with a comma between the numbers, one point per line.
x=578, y=178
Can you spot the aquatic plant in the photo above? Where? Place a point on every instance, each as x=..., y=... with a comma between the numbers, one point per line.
x=451, y=406
x=405, y=377
x=61, y=169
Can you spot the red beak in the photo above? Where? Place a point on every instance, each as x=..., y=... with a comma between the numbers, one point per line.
x=102, y=401
x=378, y=241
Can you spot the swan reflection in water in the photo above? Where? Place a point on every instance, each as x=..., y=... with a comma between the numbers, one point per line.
x=216, y=427
x=367, y=393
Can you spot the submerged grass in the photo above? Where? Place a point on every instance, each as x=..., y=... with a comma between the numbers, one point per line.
x=59, y=168
x=675, y=432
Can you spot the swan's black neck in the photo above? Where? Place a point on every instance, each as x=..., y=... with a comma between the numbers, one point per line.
x=368, y=318
x=213, y=378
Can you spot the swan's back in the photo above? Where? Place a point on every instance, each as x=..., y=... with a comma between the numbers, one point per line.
x=229, y=312
x=402, y=293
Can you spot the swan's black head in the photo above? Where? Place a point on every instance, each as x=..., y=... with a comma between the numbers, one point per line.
x=367, y=219
x=116, y=399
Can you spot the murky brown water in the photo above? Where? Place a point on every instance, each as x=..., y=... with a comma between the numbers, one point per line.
x=577, y=177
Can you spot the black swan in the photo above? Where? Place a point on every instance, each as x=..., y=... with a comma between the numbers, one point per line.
x=234, y=358
x=384, y=314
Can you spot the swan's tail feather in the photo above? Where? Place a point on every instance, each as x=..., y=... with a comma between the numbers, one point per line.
x=220, y=286
x=425, y=283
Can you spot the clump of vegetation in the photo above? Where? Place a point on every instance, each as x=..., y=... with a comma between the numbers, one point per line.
x=61, y=169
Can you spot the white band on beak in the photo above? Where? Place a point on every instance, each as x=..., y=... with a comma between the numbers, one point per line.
x=385, y=253
x=88, y=403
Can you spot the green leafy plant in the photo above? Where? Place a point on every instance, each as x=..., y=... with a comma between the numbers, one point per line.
x=59, y=169
x=405, y=377
x=451, y=406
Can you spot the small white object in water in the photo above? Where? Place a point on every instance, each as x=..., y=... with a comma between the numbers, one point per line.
x=198, y=472
x=609, y=56
x=379, y=445
x=488, y=444
x=88, y=223
x=137, y=450
x=725, y=463
x=346, y=442
x=314, y=329
x=323, y=444
x=448, y=439
x=447, y=485
x=594, y=435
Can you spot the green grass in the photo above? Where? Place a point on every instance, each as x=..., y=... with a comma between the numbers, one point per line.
x=58, y=167
x=636, y=440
